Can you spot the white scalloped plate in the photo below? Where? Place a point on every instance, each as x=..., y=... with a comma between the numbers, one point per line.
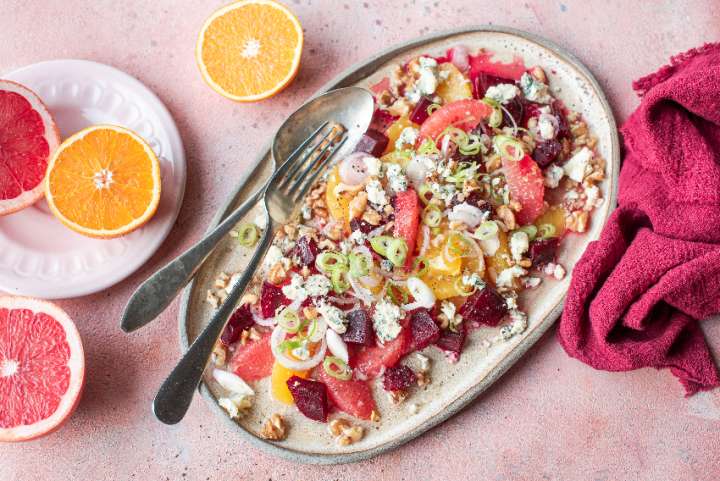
x=38, y=255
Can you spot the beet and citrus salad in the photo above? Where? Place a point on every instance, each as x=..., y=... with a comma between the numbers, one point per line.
x=456, y=200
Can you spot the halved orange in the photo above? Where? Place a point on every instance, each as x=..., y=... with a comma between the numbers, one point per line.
x=104, y=181
x=250, y=50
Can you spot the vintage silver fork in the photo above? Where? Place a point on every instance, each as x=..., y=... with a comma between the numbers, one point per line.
x=284, y=192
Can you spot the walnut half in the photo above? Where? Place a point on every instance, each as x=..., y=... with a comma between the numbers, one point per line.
x=274, y=428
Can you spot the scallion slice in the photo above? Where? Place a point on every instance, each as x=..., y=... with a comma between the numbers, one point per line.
x=496, y=116
x=247, y=235
x=546, y=230
x=380, y=244
x=331, y=262
x=337, y=368
x=432, y=215
x=397, y=252
x=486, y=230
x=530, y=230
x=359, y=264
x=339, y=282
x=509, y=147
x=289, y=320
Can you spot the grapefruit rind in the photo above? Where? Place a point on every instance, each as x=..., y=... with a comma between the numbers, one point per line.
x=281, y=85
x=106, y=233
x=52, y=136
x=76, y=365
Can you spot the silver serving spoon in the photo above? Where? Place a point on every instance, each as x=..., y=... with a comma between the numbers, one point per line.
x=352, y=108
x=348, y=105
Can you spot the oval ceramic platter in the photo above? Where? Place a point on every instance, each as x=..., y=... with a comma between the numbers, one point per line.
x=482, y=363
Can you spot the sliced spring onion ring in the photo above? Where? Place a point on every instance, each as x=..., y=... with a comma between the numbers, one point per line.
x=530, y=230
x=423, y=193
x=508, y=147
x=397, y=252
x=473, y=146
x=428, y=147
x=432, y=108
x=339, y=282
x=380, y=244
x=360, y=264
x=397, y=296
x=497, y=115
x=277, y=339
x=423, y=295
x=247, y=235
x=337, y=368
x=432, y=215
x=457, y=136
x=289, y=320
x=420, y=266
x=331, y=262
x=487, y=230
x=546, y=230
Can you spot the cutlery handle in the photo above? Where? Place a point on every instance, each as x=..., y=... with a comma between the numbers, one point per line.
x=173, y=399
x=159, y=290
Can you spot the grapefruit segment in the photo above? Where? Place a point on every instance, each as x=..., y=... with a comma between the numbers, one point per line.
x=464, y=114
x=253, y=360
x=353, y=397
x=371, y=360
x=42, y=368
x=525, y=181
x=28, y=136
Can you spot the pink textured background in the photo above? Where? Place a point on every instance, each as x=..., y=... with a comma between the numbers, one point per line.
x=550, y=417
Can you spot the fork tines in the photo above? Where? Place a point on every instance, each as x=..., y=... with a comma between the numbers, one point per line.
x=310, y=159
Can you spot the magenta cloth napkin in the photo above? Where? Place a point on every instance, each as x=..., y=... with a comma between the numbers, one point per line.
x=637, y=293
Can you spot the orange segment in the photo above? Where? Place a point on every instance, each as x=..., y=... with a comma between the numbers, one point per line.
x=455, y=87
x=250, y=50
x=103, y=181
x=278, y=382
x=394, y=131
x=338, y=205
x=554, y=216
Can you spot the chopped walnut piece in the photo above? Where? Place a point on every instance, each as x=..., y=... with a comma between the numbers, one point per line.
x=218, y=355
x=310, y=312
x=221, y=281
x=577, y=221
x=344, y=432
x=248, y=298
x=506, y=215
x=277, y=273
x=423, y=378
x=317, y=192
x=399, y=108
x=515, y=206
x=253, y=334
x=396, y=397
x=274, y=428
x=374, y=416
x=371, y=217
x=290, y=230
x=358, y=204
x=327, y=244
x=212, y=299
x=335, y=231
x=538, y=74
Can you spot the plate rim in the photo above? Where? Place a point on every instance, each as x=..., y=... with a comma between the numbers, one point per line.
x=364, y=68
x=179, y=162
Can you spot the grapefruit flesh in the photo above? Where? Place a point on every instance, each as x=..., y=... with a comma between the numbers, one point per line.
x=42, y=368
x=28, y=136
x=464, y=114
x=254, y=360
x=525, y=180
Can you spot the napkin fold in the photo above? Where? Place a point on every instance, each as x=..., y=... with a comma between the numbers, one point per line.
x=638, y=292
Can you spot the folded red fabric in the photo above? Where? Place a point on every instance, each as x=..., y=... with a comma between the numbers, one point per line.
x=637, y=293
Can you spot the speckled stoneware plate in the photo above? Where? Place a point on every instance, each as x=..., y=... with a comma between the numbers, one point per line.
x=453, y=385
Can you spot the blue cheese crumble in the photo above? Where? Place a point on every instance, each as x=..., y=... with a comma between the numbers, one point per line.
x=396, y=179
x=576, y=166
x=502, y=93
x=386, y=320
x=376, y=193
x=519, y=244
x=408, y=136
x=534, y=90
x=333, y=317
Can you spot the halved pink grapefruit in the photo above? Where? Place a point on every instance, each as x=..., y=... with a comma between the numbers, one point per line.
x=42, y=368
x=28, y=136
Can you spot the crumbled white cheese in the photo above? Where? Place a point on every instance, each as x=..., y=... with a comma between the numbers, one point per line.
x=261, y=221
x=386, y=320
x=376, y=193
x=448, y=309
x=357, y=237
x=273, y=256
x=333, y=317
x=519, y=244
x=373, y=166
x=396, y=179
x=534, y=90
x=317, y=285
x=531, y=282
x=559, y=272
x=408, y=136
x=295, y=291
x=553, y=175
x=576, y=165
x=511, y=302
x=592, y=193
x=546, y=126
x=236, y=405
x=473, y=280
x=443, y=191
x=423, y=362
x=502, y=93
x=427, y=81
x=506, y=277
x=517, y=325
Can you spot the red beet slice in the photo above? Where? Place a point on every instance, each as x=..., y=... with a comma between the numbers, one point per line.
x=306, y=250
x=563, y=127
x=423, y=330
x=452, y=342
x=485, y=306
x=271, y=297
x=542, y=251
x=420, y=112
x=484, y=81
x=546, y=152
x=382, y=119
x=398, y=378
x=359, y=328
x=310, y=397
x=373, y=142
x=240, y=320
